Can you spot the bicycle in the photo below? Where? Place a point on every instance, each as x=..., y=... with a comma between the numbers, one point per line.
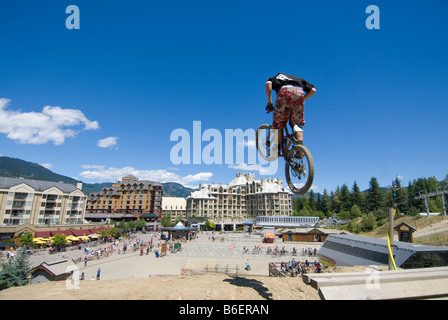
x=299, y=163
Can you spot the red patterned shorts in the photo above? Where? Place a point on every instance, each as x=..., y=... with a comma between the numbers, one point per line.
x=289, y=106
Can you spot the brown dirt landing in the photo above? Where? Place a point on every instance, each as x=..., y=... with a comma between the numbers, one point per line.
x=196, y=287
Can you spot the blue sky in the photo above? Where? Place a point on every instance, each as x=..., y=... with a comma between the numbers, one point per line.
x=137, y=70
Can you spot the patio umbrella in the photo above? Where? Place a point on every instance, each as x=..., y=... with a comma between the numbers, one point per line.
x=93, y=235
x=269, y=235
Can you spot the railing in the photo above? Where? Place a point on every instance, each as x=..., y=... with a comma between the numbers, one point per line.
x=216, y=269
x=224, y=250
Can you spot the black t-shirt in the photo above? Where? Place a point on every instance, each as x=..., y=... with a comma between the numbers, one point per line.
x=283, y=79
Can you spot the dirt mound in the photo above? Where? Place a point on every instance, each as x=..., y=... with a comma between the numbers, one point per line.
x=196, y=287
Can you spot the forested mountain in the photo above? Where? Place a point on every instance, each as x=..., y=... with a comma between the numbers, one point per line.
x=372, y=204
x=13, y=167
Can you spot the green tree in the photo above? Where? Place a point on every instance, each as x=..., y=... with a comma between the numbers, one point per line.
x=15, y=273
x=59, y=240
x=368, y=223
x=345, y=197
x=312, y=201
x=325, y=207
x=140, y=224
x=113, y=231
x=209, y=225
x=132, y=225
x=355, y=212
x=166, y=220
x=123, y=226
x=357, y=197
x=8, y=276
x=26, y=239
x=336, y=203
x=22, y=266
x=374, y=195
x=300, y=204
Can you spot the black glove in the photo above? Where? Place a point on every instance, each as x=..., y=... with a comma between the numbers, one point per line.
x=269, y=107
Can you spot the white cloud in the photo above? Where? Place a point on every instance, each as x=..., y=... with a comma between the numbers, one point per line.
x=46, y=165
x=104, y=173
x=313, y=187
x=93, y=166
x=251, y=167
x=107, y=142
x=52, y=124
x=250, y=144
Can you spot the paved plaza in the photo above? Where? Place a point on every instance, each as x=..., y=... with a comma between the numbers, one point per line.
x=229, y=250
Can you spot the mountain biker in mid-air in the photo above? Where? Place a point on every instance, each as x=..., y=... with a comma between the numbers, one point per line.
x=289, y=105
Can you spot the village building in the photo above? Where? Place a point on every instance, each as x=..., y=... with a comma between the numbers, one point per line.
x=129, y=196
x=242, y=198
x=42, y=208
x=175, y=207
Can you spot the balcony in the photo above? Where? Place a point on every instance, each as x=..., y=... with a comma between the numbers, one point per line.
x=52, y=198
x=20, y=196
x=18, y=205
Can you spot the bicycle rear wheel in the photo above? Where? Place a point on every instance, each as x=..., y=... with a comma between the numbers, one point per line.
x=265, y=139
x=299, y=169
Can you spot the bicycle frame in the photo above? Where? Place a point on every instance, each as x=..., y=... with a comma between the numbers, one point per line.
x=287, y=142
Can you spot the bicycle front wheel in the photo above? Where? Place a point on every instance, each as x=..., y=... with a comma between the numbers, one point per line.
x=265, y=139
x=299, y=169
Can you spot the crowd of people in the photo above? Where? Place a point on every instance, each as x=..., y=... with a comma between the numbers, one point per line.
x=294, y=268
x=306, y=252
x=121, y=246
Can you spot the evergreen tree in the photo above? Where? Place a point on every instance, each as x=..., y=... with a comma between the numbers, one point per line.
x=15, y=273
x=346, y=203
x=305, y=203
x=319, y=202
x=374, y=195
x=331, y=202
x=357, y=197
x=22, y=266
x=355, y=212
x=312, y=201
x=297, y=205
x=325, y=203
x=337, y=204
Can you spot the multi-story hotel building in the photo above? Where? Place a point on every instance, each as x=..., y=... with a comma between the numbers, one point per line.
x=175, y=207
x=42, y=208
x=130, y=196
x=244, y=197
x=40, y=203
